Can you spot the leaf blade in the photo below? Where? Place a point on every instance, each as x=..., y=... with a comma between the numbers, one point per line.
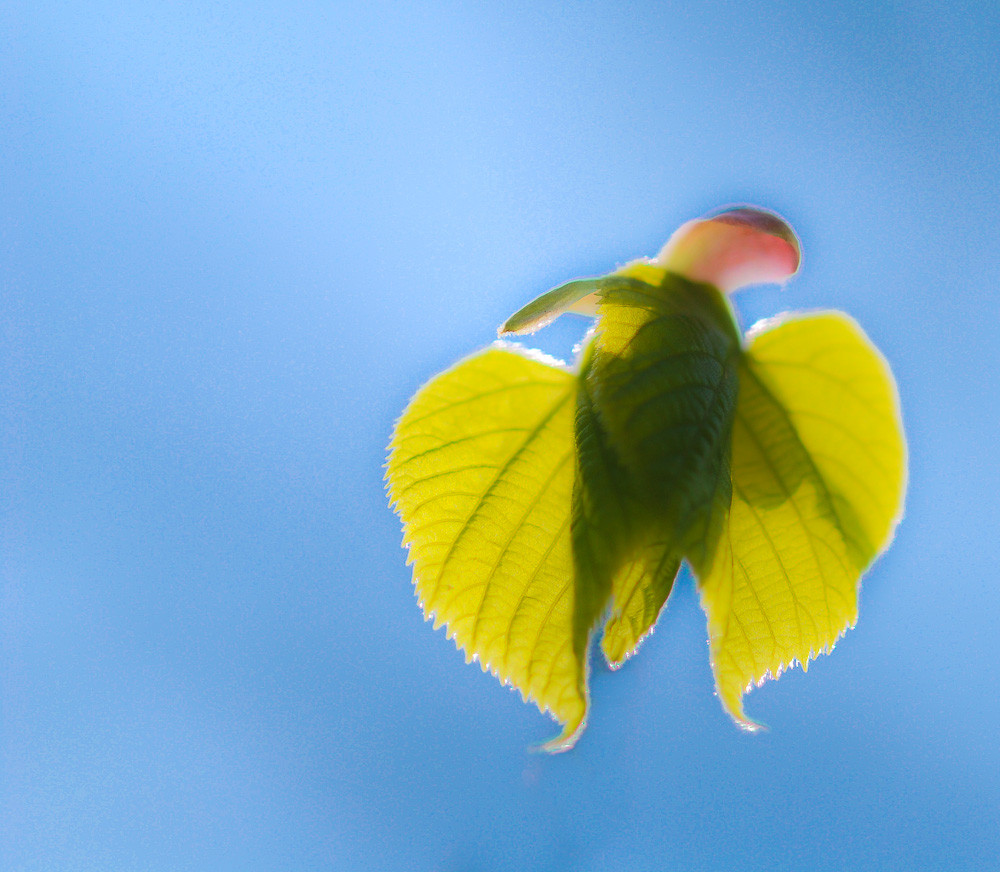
x=641, y=588
x=546, y=308
x=581, y=296
x=481, y=473
x=817, y=435
x=664, y=381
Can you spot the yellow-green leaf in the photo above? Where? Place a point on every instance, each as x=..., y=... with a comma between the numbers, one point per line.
x=481, y=471
x=611, y=560
x=581, y=296
x=664, y=382
x=819, y=471
x=641, y=588
x=549, y=306
x=533, y=498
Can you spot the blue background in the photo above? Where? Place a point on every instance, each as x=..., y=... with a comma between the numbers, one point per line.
x=236, y=238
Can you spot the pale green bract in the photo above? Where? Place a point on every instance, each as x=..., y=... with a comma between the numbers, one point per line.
x=539, y=501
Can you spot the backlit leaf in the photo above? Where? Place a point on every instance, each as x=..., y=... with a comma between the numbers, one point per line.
x=664, y=382
x=549, y=306
x=481, y=472
x=818, y=473
x=581, y=296
x=610, y=556
x=641, y=588
x=537, y=502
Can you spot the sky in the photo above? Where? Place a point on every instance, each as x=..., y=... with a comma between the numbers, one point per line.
x=236, y=238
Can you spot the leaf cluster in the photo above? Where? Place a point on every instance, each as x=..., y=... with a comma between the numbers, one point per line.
x=541, y=502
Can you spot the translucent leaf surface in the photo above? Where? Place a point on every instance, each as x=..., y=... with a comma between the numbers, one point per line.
x=664, y=382
x=609, y=556
x=818, y=473
x=481, y=471
x=641, y=588
x=549, y=306
x=603, y=509
x=581, y=296
x=536, y=502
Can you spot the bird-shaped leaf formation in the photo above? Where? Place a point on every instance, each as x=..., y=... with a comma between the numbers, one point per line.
x=539, y=500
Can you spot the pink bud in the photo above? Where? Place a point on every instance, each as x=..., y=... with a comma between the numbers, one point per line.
x=738, y=247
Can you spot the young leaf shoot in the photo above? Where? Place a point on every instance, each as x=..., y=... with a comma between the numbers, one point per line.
x=539, y=502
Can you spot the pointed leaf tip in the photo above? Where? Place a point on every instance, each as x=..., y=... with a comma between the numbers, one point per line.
x=565, y=741
x=481, y=473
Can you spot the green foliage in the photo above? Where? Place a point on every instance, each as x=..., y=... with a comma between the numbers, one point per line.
x=537, y=501
x=818, y=471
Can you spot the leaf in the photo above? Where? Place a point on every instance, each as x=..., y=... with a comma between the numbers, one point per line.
x=608, y=556
x=481, y=472
x=535, y=501
x=580, y=296
x=641, y=588
x=818, y=474
x=549, y=306
x=664, y=381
